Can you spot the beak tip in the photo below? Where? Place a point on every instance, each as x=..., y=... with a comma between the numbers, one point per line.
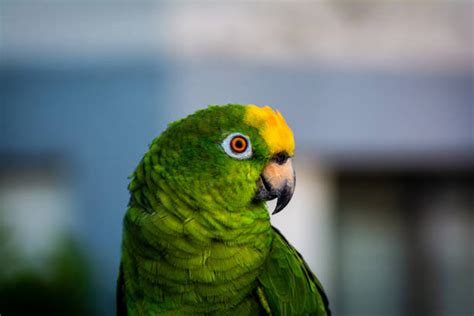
x=283, y=200
x=277, y=210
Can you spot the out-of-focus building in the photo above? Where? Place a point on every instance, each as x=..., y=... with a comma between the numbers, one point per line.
x=379, y=96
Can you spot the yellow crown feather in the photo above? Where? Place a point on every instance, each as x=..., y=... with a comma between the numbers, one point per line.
x=272, y=127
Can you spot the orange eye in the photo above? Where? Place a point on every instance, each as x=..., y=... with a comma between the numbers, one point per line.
x=238, y=144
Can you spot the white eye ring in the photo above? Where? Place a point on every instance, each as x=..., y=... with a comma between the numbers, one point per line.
x=230, y=143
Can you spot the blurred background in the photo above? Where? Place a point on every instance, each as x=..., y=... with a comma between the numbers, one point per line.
x=379, y=96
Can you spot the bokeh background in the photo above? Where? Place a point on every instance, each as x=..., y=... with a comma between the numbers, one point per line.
x=379, y=96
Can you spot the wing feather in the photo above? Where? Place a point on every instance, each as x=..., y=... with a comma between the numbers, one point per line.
x=289, y=285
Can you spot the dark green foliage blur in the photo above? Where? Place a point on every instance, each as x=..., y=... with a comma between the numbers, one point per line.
x=62, y=290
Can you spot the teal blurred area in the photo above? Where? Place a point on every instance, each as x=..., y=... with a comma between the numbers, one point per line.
x=379, y=96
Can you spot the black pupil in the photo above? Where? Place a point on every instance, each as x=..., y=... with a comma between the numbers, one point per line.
x=239, y=144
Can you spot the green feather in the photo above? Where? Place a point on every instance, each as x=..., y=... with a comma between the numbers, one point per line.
x=288, y=284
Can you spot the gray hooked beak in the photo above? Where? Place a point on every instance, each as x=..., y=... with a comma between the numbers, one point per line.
x=277, y=181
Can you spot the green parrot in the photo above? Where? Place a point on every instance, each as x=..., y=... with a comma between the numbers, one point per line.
x=197, y=237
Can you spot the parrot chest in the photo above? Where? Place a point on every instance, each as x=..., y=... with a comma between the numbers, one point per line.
x=219, y=278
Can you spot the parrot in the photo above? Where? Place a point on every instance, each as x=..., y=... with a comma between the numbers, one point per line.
x=197, y=237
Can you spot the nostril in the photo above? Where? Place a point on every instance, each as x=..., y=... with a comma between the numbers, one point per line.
x=281, y=157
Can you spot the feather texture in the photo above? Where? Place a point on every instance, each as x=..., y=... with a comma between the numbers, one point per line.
x=288, y=284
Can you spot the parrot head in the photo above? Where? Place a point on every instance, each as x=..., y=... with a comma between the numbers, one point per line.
x=233, y=157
